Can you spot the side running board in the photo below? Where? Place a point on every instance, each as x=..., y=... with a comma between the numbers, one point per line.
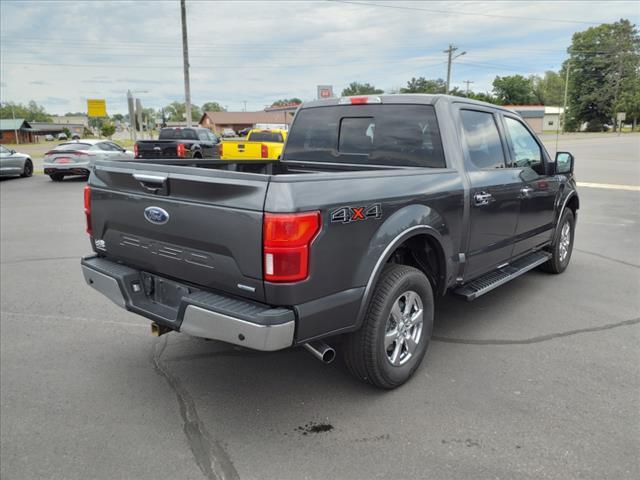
x=491, y=280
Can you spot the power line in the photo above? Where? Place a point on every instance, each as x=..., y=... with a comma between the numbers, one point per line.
x=474, y=14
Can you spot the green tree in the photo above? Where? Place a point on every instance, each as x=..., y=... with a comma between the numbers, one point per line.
x=176, y=112
x=603, y=63
x=212, y=107
x=286, y=101
x=484, y=97
x=32, y=112
x=513, y=90
x=422, y=85
x=357, y=88
x=630, y=102
x=549, y=89
x=108, y=129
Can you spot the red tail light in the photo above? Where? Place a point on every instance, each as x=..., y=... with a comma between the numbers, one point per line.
x=221, y=145
x=286, y=241
x=135, y=150
x=180, y=149
x=264, y=151
x=359, y=100
x=87, y=208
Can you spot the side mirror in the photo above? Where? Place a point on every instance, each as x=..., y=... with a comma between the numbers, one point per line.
x=564, y=162
x=12, y=151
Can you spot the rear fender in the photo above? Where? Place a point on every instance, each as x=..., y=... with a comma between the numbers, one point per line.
x=404, y=224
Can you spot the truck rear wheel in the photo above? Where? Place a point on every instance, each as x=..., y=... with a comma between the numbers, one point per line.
x=562, y=245
x=396, y=331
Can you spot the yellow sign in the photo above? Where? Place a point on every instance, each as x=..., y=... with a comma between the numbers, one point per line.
x=96, y=107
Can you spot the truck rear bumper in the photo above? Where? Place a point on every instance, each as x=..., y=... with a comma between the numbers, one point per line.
x=189, y=310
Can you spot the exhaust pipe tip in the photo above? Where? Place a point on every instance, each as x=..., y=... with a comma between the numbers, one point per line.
x=321, y=351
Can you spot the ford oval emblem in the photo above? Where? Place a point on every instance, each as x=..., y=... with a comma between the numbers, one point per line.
x=156, y=215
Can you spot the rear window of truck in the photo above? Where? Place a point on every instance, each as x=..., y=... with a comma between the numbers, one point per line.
x=265, y=137
x=395, y=135
x=177, y=134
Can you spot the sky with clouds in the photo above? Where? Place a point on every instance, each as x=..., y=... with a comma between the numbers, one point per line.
x=60, y=53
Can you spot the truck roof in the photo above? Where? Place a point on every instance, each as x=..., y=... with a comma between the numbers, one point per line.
x=411, y=98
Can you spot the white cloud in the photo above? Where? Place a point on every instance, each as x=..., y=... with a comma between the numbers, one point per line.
x=262, y=51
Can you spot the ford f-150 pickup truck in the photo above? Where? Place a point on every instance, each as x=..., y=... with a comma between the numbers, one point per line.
x=259, y=144
x=378, y=205
x=177, y=142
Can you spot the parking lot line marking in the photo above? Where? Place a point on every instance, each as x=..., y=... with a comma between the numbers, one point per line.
x=610, y=186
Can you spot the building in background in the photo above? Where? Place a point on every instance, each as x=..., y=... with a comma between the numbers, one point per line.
x=532, y=114
x=219, y=121
x=9, y=127
x=552, y=118
x=289, y=108
x=76, y=123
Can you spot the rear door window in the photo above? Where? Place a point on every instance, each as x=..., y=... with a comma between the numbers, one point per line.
x=394, y=135
x=483, y=139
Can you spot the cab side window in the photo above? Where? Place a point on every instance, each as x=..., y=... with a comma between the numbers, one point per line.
x=526, y=151
x=483, y=139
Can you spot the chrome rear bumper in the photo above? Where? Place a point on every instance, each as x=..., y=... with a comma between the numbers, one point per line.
x=202, y=314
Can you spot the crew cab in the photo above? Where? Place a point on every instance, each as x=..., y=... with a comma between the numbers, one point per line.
x=177, y=142
x=259, y=144
x=378, y=205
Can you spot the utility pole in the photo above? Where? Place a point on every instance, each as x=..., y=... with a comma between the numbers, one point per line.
x=245, y=105
x=15, y=127
x=564, y=103
x=449, y=51
x=185, y=59
x=468, y=82
x=132, y=115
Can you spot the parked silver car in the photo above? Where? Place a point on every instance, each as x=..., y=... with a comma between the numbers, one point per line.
x=76, y=157
x=13, y=164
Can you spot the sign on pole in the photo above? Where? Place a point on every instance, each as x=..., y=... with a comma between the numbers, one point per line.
x=96, y=107
x=325, y=91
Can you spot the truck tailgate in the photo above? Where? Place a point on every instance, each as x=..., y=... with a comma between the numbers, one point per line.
x=240, y=149
x=157, y=148
x=192, y=224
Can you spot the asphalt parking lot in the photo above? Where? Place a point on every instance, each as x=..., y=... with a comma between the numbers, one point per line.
x=539, y=379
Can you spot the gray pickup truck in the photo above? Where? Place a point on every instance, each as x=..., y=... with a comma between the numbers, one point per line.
x=377, y=205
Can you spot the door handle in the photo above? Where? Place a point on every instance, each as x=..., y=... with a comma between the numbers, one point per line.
x=482, y=198
x=525, y=192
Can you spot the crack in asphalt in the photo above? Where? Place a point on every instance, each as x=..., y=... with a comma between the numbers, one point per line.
x=607, y=258
x=541, y=338
x=210, y=456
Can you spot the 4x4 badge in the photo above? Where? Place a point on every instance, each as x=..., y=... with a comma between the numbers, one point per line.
x=355, y=214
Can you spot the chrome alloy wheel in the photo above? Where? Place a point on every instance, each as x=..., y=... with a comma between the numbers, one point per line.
x=565, y=241
x=403, y=330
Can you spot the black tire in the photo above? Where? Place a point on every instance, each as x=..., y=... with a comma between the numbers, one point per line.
x=558, y=263
x=364, y=350
x=28, y=168
x=56, y=177
x=197, y=155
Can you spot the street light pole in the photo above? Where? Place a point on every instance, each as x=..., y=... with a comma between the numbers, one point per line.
x=185, y=60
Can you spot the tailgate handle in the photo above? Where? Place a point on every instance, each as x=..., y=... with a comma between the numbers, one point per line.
x=152, y=183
